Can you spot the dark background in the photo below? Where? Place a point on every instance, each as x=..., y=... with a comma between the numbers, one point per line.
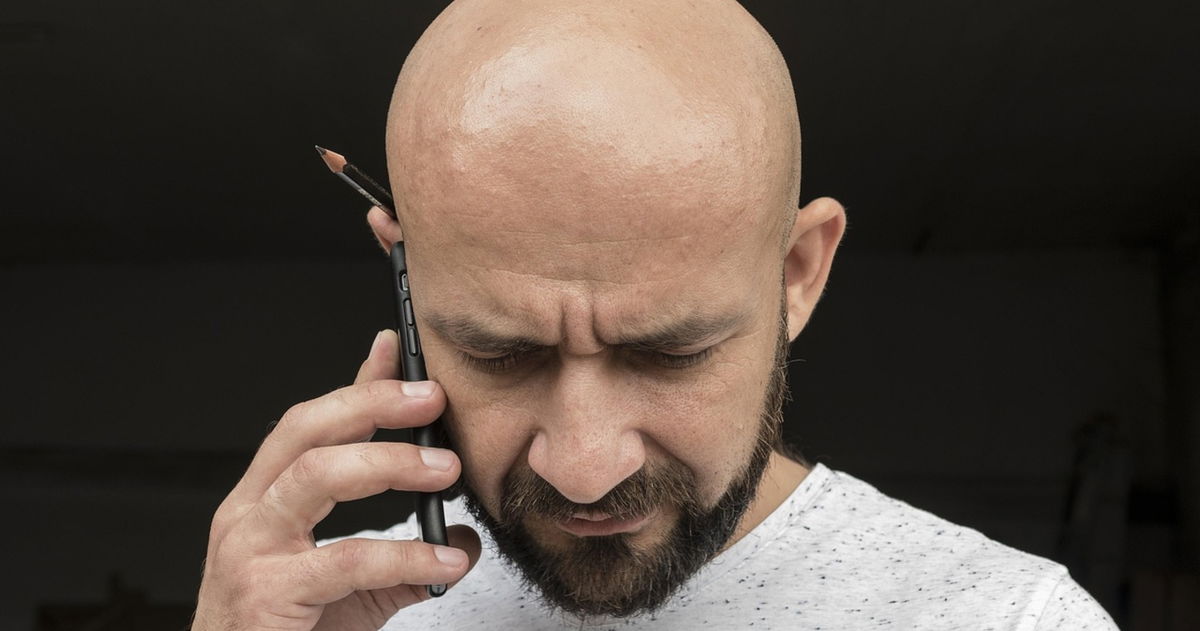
x=1009, y=338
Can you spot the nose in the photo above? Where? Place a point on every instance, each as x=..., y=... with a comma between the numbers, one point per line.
x=587, y=440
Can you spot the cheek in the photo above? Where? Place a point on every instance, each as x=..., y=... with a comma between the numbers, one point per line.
x=709, y=423
x=473, y=429
x=491, y=432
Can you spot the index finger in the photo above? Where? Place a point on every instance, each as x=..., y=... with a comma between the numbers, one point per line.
x=347, y=415
x=386, y=228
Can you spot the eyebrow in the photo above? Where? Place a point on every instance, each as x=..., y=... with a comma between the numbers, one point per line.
x=478, y=336
x=690, y=330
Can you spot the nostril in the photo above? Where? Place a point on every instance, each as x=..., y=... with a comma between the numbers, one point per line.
x=585, y=472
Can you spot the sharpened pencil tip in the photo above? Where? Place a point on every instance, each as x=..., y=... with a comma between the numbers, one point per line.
x=334, y=160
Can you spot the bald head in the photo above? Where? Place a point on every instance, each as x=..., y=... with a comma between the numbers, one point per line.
x=586, y=121
x=599, y=201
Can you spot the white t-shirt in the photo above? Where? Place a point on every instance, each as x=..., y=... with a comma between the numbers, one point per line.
x=838, y=554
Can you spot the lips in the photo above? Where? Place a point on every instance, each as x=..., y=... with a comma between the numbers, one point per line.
x=593, y=524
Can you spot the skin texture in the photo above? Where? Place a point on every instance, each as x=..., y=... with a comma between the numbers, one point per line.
x=578, y=175
x=581, y=177
x=565, y=166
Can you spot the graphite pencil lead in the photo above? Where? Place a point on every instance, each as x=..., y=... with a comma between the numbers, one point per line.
x=334, y=160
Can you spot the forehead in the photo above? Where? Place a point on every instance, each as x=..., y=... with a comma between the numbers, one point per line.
x=582, y=217
x=571, y=248
x=613, y=203
x=525, y=225
x=571, y=236
x=544, y=276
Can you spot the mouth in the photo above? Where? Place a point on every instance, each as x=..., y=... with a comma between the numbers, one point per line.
x=594, y=524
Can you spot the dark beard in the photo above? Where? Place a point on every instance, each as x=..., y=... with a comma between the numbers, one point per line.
x=607, y=575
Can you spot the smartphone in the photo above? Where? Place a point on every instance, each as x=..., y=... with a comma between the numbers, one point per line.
x=430, y=512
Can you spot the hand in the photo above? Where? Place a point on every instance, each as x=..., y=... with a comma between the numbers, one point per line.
x=263, y=570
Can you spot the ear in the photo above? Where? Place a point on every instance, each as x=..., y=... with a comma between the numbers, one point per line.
x=814, y=238
x=387, y=230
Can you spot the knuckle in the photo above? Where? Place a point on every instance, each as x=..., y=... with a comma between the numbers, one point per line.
x=220, y=520
x=275, y=498
x=222, y=564
x=309, y=468
x=367, y=454
x=402, y=555
x=308, y=568
x=227, y=515
x=230, y=568
x=350, y=556
x=292, y=417
x=343, y=397
x=381, y=389
x=217, y=528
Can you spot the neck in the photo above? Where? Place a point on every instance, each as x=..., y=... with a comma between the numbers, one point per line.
x=780, y=479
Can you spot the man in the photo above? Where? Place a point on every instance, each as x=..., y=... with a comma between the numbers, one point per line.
x=599, y=201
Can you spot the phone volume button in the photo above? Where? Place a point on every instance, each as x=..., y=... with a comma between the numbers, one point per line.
x=408, y=313
x=410, y=334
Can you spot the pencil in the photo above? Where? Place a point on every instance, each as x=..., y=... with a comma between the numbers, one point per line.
x=430, y=511
x=359, y=181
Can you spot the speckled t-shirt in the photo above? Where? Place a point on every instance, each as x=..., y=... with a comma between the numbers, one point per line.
x=838, y=554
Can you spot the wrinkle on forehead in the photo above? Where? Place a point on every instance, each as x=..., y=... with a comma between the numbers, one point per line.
x=599, y=273
x=580, y=314
x=653, y=258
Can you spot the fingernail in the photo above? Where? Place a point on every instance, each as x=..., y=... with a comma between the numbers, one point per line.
x=439, y=459
x=450, y=556
x=418, y=389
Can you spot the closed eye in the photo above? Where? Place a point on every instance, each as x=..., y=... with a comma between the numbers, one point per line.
x=490, y=365
x=508, y=362
x=675, y=361
x=498, y=364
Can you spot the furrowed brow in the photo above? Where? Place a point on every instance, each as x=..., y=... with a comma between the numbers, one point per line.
x=479, y=337
x=690, y=331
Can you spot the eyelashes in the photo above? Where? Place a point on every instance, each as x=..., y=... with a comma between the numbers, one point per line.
x=491, y=365
x=679, y=362
x=512, y=361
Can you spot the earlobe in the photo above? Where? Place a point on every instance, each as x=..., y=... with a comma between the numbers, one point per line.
x=387, y=230
x=812, y=242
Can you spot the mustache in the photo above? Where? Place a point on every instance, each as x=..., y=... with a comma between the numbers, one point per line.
x=526, y=493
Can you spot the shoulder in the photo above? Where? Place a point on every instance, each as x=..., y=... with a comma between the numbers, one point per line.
x=865, y=551
x=896, y=540
x=860, y=521
x=1070, y=607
